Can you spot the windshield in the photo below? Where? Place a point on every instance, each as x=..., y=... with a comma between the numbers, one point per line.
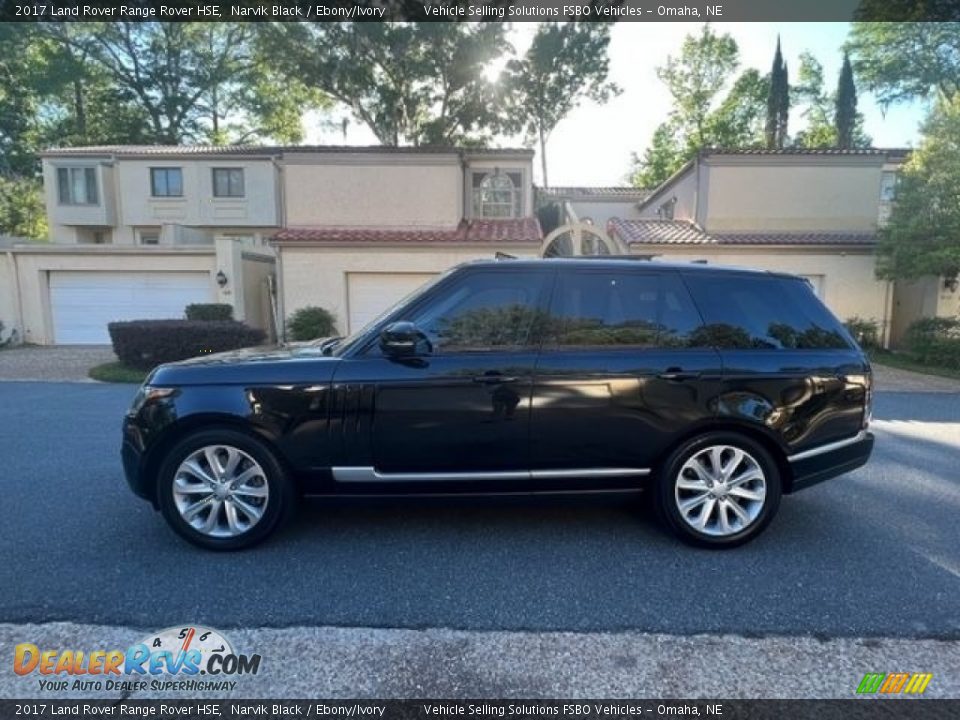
x=360, y=336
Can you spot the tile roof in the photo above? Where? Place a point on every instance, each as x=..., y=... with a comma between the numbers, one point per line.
x=658, y=232
x=180, y=150
x=522, y=230
x=683, y=232
x=898, y=152
x=796, y=238
x=626, y=193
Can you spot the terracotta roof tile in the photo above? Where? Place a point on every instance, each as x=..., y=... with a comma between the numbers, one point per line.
x=797, y=238
x=181, y=150
x=895, y=152
x=683, y=232
x=627, y=193
x=522, y=230
x=658, y=232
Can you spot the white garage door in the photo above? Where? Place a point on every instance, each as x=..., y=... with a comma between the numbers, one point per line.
x=83, y=303
x=369, y=294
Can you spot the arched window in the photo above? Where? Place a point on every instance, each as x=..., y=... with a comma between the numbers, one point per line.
x=497, y=195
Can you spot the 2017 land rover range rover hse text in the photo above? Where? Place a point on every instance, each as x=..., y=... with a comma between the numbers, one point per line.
x=717, y=389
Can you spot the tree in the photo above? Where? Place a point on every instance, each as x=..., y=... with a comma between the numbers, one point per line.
x=410, y=83
x=739, y=120
x=22, y=213
x=20, y=135
x=566, y=64
x=922, y=236
x=810, y=94
x=705, y=112
x=695, y=79
x=190, y=82
x=905, y=61
x=820, y=109
x=660, y=160
x=778, y=102
x=845, y=118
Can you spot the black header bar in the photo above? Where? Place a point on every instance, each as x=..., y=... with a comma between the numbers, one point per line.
x=480, y=10
x=201, y=709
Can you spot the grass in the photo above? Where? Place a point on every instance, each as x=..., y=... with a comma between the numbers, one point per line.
x=117, y=372
x=898, y=360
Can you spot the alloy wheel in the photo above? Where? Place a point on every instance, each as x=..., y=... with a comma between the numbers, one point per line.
x=720, y=490
x=220, y=491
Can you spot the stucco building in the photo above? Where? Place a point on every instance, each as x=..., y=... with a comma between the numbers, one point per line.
x=139, y=232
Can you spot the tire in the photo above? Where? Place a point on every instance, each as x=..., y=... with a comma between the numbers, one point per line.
x=709, y=518
x=251, y=502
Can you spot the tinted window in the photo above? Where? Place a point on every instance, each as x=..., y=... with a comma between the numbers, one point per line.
x=622, y=308
x=744, y=311
x=485, y=311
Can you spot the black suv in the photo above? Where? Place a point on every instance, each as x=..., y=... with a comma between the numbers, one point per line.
x=718, y=389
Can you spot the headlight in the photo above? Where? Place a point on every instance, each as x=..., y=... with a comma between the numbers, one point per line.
x=146, y=394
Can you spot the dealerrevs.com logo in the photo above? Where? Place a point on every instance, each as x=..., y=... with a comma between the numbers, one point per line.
x=171, y=659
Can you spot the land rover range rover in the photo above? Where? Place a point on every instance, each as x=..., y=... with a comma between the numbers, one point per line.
x=716, y=389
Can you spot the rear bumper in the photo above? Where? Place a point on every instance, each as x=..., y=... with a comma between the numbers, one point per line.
x=814, y=466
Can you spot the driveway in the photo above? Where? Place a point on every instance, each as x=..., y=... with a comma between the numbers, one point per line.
x=53, y=362
x=531, y=598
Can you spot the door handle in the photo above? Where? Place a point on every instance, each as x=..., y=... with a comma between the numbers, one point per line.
x=494, y=379
x=676, y=375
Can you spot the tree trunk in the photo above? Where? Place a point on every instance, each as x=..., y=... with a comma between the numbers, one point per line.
x=543, y=156
x=79, y=108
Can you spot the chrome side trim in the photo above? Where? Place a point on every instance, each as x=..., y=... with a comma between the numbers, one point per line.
x=829, y=447
x=589, y=473
x=370, y=474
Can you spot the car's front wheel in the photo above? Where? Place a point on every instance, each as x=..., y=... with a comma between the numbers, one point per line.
x=718, y=490
x=223, y=490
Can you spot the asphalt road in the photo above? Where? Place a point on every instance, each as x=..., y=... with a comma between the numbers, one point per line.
x=873, y=554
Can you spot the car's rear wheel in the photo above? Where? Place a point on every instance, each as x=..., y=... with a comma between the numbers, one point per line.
x=718, y=490
x=223, y=490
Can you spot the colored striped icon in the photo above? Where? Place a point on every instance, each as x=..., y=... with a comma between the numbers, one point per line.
x=892, y=683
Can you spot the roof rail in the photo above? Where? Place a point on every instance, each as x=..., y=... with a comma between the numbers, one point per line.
x=606, y=257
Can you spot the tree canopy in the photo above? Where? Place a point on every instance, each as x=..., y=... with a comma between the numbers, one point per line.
x=417, y=84
x=901, y=62
x=922, y=236
x=711, y=106
x=566, y=64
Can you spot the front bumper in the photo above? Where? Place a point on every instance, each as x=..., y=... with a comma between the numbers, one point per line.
x=814, y=467
x=131, y=454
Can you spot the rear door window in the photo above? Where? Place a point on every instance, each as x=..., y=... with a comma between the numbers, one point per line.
x=621, y=309
x=763, y=312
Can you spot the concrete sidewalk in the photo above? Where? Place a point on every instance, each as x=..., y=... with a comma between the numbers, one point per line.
x=56, y=363
x=328, y=662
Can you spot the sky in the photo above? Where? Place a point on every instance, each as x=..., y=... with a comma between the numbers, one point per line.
x=593, y=144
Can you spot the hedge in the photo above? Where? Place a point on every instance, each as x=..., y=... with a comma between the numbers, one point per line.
x=865, y=332
x=209, y=311
x=144, y=344
x=935, y=341
x=310, y=323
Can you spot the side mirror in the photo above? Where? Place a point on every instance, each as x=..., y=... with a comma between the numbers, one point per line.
x=404, y=339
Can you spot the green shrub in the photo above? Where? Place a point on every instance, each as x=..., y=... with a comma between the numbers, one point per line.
x=934, y=341
x=209, y=312
x=310, y=323
x=865, y=332
x=144, y=344
x=2, y=341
